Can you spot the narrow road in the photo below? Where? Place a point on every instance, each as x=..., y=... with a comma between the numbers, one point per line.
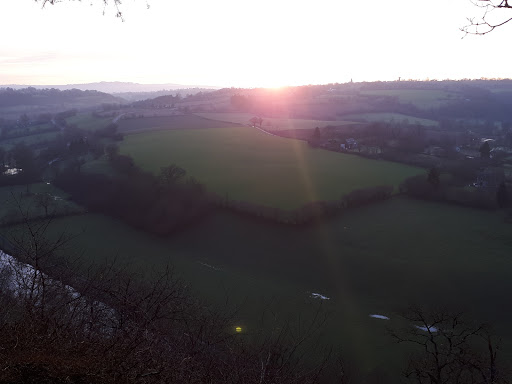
x=116, y=119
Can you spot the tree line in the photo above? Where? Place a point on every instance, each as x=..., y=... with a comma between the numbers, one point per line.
x=310, y=212
x=158, y=204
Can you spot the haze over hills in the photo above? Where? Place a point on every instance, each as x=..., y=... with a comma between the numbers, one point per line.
x=113, y=86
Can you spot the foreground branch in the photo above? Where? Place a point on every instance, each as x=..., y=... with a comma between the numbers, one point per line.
x=483, y=26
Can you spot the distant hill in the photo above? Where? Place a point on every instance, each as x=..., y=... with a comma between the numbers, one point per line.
x=137, y=96
x=14, y=102
x=113, y=87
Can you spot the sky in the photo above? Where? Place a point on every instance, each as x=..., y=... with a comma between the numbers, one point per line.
x=242, y=43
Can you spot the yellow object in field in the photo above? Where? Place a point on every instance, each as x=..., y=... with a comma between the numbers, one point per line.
x=238, y=329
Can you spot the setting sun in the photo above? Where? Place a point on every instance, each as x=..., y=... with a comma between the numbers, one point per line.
x=233, y=44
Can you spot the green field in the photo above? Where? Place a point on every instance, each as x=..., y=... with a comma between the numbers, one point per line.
x=271, y=123
x=30, y=136
x=422, y=98
x=29, y=140
x=377, y=259
x=390, y=116
x=162, y=123
x=89, y=122
x=30, y=130
x=247, y=164
x=11, y=196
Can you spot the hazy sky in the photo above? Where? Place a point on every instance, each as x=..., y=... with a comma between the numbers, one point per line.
x=246, y=43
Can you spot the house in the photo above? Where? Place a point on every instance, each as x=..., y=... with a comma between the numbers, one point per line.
x=351, y=143
x=370, y=149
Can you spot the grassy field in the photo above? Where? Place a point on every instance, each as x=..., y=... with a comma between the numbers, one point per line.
x=390, y=116
x=422, y=98
x=270, y=123
x=163, y=123
x=88, y=122
x=30, y=130
x=12, y=195
x=377, y=259
x=29, y=140
x=247, y=164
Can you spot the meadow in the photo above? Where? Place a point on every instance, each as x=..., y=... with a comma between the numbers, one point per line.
x=168, y=123
x=389, y=117
x=272, y=123
x=374, y=260
x=422, y=98
x=247, y=164
x=30, y=130
x=32, y=139
x=12, y=198
x=88, y=122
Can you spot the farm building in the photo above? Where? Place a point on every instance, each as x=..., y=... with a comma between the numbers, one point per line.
x=351, y=143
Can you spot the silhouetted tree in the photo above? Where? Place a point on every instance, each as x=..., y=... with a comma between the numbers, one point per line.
x=433, y=177
x=45, y=201
x=170, y=175
x=502, y=195
x=256, y=121
x=111, y=151
x=24, y=159
x=115, y=3
x=482, y=25
x=64, y=324
x=3, y=153
x=450, y=349
x=24, y=120
x=485, y=150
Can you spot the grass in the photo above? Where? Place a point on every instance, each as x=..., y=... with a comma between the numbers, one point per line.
x=10, y=196
x=377, y=259
x=169, y=123
x=41, y=138
x=30, y=130
x=100, y=165
x=247, y=164
x=270, y=123
x=30, y=136
x=422, y=98
x=89, y=122
x=390, y=116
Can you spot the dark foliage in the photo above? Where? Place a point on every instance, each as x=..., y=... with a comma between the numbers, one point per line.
x=109, y=132
x=115, y=327
x=448, y=348
x=420, y=187
x=65, y=323
x=137, y=197
x=502, y=195
x=311, y=212
x=433, y=177
x=32, y=96
x=485, y=150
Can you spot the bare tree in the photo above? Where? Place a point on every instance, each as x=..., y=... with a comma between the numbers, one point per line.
x=450, y=349
x=115, y=3
x=495, y=14
x=109, y=325
x=45, y=201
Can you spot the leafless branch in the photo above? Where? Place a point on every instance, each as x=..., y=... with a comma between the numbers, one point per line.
x=115, y=3
x=482, y=25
